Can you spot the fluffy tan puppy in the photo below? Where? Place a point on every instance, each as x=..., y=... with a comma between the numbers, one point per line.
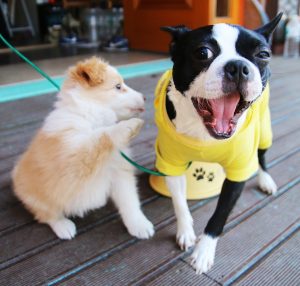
x=73, y=164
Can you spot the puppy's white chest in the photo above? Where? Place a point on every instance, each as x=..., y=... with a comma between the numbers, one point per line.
x=93, y=195
x=95, y=191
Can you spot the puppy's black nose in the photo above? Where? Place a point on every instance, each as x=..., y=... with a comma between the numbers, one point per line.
x=237, y=71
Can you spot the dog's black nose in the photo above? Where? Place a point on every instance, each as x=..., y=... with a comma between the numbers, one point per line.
x=237, y=71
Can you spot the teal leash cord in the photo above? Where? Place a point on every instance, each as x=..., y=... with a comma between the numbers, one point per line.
x=29, y=62
x=141, y=168
x=36, y=68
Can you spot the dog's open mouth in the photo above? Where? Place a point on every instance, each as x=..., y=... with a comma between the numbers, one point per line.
x=220, y=115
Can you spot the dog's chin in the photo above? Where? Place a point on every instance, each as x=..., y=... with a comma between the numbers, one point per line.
x=221, y=115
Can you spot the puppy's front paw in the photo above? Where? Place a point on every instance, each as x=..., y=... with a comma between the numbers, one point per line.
x=134, y=126
x=185, y=237
x=63, y=228
x=204, y=254
x=266, y=183
x=140, y=227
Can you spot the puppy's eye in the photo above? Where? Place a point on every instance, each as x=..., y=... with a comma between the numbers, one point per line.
x=118, y=86
x=264, y=55
x=203, y=53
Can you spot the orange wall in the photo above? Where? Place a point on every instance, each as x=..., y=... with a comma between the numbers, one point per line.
x=143, y=19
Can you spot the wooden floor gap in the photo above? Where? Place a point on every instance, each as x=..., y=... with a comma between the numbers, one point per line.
x=258, y=257
x=255, y=208
x=230, y=225
x=46, y=245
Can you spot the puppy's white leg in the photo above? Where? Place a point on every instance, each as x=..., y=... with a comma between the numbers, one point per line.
x=185, y=232
x=125, y=196
x=63, y=228
x=266, y=183
x=204, y=254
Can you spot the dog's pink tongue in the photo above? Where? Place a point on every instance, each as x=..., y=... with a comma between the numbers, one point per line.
x=223, y=110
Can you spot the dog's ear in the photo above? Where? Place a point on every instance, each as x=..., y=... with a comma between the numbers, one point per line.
x=270, y=27
x=89, y=73
x=176, y=32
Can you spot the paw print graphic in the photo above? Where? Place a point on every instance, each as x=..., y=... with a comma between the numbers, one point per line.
x=199, y=174
x=210, y=177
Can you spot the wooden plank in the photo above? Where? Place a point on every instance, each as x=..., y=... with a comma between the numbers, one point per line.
x=7, y=199
x=180, y=274
x=284, y=93
x=130, y=266
x=274, y=270
x=239, y=248
x=23, y=111
x=61, y=256
x=281, y=267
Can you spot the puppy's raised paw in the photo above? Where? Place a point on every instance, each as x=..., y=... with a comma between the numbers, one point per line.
x=204, y=254
x=266, y=182
x=140, y=227
x=63, y=228
x=133, y=127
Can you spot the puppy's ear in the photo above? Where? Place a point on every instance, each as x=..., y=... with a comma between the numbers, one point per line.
x=89, y=73
x=270, y=27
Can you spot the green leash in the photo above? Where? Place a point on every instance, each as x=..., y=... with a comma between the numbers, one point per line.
x=29, y=62
x=35, y=67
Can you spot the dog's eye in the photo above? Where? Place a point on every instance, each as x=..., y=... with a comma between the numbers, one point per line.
x=203, y=53
x=118, y=86
x=264, y=55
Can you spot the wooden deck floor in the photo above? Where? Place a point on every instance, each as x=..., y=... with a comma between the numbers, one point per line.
x=260, y=245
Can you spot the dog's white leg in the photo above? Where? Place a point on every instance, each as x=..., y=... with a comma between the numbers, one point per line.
x=266, y=183
x=63, y=228
x=185, y=232
x=125, y=196
x=204, y=253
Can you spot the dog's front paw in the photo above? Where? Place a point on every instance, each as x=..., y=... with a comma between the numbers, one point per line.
x=185, y=237
x=204, y=254
x=140, y=227
x=63, y=228
x=266, y=183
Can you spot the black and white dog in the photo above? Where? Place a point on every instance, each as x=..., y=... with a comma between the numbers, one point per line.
x=219, y=72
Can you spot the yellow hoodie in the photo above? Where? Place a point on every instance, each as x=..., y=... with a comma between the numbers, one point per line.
x=237, y=155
